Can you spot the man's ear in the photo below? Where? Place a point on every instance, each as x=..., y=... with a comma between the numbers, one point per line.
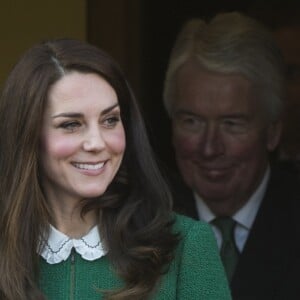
x=274, y=135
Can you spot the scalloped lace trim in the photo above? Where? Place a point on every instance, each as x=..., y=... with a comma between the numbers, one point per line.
x=58, y=247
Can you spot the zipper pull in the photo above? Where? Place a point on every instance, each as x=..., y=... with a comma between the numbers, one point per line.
x=72, y=258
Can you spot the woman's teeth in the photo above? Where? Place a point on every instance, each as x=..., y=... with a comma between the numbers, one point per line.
x=89, y=166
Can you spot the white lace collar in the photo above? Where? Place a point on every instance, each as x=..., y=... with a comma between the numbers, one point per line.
x=58, y=246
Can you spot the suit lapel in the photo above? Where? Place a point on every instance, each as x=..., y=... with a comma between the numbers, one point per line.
x=263, y=260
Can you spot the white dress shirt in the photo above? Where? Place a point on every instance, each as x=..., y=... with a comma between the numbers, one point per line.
x=243, y=217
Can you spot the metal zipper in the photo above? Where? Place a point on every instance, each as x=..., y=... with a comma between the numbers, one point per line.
x=72, y=270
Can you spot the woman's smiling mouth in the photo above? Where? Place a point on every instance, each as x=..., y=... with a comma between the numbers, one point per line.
x=88, y=166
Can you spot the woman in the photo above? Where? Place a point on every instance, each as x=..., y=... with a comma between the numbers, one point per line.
x=84, y=211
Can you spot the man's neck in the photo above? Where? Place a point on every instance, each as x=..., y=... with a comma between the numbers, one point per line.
x=230, y=207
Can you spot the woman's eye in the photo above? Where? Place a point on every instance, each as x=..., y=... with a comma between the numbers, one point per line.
x=111, y=122
x=70, y=125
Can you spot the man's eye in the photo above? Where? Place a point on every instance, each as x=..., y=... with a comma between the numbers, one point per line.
x=235, y=126
x=190, y=124
x=231, y=123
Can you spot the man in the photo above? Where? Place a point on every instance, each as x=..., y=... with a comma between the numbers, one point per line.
x=224, y=93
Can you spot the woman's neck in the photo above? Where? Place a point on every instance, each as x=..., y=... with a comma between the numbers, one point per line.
x=74, y=225
x=68, y=218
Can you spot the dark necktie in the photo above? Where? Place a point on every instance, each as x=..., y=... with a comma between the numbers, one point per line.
x=229, y=252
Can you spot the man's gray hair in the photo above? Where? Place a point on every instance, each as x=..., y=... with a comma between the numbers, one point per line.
x=231, y=43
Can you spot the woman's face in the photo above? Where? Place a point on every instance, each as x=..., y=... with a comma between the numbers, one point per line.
x=82, y=138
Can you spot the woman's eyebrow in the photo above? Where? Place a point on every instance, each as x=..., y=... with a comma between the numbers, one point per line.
x=110, y=108
x=68, y=115
x=79, y=115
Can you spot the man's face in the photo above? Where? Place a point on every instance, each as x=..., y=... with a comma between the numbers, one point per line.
x=221, y=136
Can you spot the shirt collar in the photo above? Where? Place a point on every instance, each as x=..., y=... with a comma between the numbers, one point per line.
x=58, y=246
x=244, y=216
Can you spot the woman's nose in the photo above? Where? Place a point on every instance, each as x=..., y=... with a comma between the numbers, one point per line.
x=93, y=140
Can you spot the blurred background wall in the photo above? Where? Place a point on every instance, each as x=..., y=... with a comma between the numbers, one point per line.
x=25, y=22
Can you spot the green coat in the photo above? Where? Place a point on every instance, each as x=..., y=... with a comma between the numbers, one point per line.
x=196, y=272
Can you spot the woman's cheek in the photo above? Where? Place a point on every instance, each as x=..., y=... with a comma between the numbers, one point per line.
x=61, y=146
x=116, y=141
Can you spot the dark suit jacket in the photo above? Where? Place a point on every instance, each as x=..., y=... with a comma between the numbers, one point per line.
x=269, y=266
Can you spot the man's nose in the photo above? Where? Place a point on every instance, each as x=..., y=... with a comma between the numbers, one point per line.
x=211, y=141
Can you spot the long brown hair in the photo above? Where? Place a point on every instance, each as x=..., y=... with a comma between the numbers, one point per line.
x=134, y=213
